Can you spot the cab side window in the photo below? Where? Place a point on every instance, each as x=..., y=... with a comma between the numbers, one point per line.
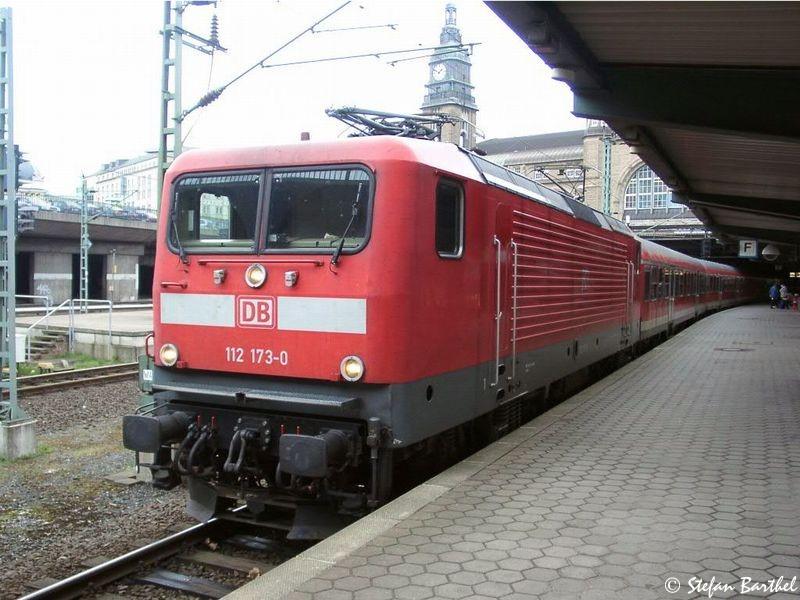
x=449, y=219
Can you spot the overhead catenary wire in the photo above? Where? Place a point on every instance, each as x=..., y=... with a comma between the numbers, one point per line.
x=456, y=50
x=392, y=26
x=208, y=88
x=378, y=54
x=573, y=194
x=667, y=220
x=212, y=95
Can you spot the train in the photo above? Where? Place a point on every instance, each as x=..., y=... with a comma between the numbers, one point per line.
x=326, y=313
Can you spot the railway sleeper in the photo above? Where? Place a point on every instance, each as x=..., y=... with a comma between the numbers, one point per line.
x=199, y=586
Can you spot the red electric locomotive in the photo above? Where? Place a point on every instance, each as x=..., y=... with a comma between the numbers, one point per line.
x=326, y=310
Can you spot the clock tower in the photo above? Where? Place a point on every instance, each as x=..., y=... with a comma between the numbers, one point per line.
x=449, y=90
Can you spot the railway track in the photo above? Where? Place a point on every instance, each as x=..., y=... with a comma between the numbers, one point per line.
x=37, y=384
x=212, y=546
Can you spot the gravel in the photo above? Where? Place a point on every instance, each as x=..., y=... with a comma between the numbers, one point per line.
x=82, y=407
x=56, y=510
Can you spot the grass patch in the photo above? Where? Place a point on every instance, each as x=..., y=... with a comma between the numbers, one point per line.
x=76, y=359
x=84, y=361
x=41, y=450
x=24, y=369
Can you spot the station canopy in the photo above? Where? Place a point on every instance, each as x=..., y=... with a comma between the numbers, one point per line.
x=707, y=93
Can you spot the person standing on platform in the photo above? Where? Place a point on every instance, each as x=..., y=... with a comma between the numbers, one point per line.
x=774, y=295
x=785, y=296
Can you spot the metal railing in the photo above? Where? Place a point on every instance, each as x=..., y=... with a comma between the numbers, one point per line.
x=46, y=299
x=69, y=306
x=65, y=305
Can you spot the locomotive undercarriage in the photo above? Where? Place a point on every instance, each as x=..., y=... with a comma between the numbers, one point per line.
x=328, y=471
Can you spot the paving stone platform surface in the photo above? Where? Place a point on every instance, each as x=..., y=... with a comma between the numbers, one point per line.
x=683, y=464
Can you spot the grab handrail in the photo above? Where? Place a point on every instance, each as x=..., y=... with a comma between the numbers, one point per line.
x=498, y=315
x=514, y=315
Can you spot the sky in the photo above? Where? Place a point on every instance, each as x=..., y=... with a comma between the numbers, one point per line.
x=87, y=76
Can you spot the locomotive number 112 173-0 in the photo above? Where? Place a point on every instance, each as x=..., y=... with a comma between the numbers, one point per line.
x=256, y=356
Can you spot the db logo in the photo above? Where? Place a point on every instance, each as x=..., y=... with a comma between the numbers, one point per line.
x=256, y=311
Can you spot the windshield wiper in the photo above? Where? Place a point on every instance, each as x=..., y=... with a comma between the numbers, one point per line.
x=173, y=217
x=338, y=252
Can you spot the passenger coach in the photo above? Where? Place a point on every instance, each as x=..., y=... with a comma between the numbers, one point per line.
x=324, y=311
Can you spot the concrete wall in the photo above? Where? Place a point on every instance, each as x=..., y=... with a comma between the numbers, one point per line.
x=52, y=275
x=17, y=439
x=122, y=281
x=125, y=347
x=51, y=267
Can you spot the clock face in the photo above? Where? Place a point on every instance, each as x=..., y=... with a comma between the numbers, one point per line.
x=439, y=72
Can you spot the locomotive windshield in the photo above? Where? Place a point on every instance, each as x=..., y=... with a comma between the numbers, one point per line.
x=216, y=211
x=315, y=209
x=306, y=210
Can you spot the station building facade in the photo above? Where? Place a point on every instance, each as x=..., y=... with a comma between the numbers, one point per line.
x=577, y=163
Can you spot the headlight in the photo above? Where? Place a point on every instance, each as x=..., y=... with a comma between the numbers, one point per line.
x=168, y=355
x=255, y=275
x=352, y=368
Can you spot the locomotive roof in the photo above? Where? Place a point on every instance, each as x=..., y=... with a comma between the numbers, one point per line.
x=446, y=157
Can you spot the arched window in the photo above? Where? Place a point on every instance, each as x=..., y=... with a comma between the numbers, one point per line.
x=646, y=191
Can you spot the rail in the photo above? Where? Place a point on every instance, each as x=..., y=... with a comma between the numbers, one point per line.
x=141, y=564
x=46, y=382
x=119, y=567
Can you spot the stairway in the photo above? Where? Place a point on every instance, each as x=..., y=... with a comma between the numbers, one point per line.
x=47, y=344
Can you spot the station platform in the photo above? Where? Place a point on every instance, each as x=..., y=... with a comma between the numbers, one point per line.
x=123, y=320
x=128, y=326
x=676, y=476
